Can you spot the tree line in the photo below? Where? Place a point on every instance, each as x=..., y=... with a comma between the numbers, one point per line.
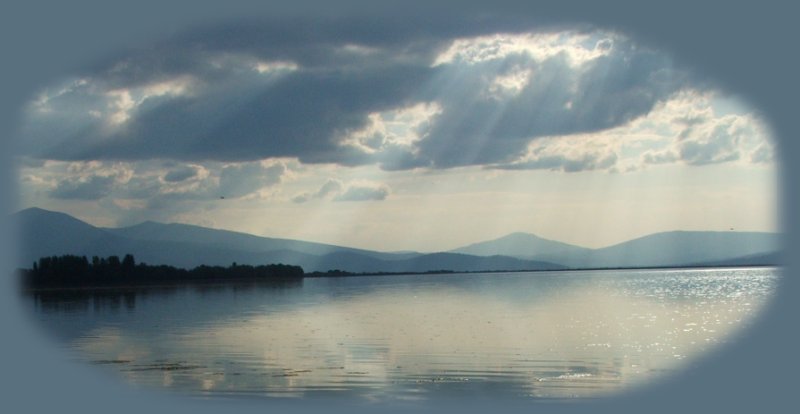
x=78, y=271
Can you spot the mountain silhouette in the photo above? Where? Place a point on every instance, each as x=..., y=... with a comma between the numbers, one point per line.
x=675, y=248
x=47, y=233
x=524, y=246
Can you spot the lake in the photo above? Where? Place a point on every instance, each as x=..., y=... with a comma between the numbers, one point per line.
x=545, y=335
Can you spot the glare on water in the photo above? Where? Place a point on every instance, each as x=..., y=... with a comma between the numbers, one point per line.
x=543, y=335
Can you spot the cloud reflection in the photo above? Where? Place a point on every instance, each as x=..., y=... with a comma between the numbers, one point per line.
x=549, y=340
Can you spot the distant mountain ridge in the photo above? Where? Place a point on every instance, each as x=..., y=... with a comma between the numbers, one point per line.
x=187, y=233
x=523, y=246
x=664, y=249
x=48, y=233
x=674, y=248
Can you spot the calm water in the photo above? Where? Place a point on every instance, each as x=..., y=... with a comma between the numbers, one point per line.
x=410, y=338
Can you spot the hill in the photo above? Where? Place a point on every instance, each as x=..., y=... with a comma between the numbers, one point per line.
x=47, y=233
x=676, y=248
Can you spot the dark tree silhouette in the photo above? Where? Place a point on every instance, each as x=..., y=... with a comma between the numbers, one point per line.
x=76, y=271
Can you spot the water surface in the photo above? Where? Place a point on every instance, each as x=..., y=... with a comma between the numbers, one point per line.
x=410, y=338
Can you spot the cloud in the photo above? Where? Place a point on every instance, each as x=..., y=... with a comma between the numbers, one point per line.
x=586, y=162
x=153, y=184
x=764, y=153
x=685, y=128
x=434, y=96
x=659, y=157
x=330, y=187
x=582, y=152
x=243, y=179
x=335, y=190
x=301, y=198
x=93, y=187
x=712, y=144
x=363, y=193
x=699, y=136
x=181, y=174
x=81, y=180
x=560, y=98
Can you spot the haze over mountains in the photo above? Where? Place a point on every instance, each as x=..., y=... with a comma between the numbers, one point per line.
x=47, y=233
x=675, y=248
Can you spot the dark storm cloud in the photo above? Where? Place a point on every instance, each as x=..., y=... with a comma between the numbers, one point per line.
x=312, y=43
x=338, y=73
x=299, y=116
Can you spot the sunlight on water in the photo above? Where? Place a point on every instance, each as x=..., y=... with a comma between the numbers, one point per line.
x=544, y=335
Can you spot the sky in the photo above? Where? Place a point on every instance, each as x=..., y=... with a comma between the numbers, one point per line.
x=399, y=135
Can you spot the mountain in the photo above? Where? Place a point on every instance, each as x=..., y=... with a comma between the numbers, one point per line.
x=524, y=246
x=185, y=233
x=43, y=233
x=46, y=233
x=684, y=247
x=465, y=263
x=676, y=248
x=354, y=262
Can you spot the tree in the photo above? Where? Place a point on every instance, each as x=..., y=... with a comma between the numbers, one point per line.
x=128, y=263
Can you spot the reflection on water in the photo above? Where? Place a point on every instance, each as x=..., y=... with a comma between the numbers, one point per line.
x=543, y=335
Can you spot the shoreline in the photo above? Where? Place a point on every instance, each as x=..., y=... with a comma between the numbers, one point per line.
x=581, y=269
x=277, y=281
